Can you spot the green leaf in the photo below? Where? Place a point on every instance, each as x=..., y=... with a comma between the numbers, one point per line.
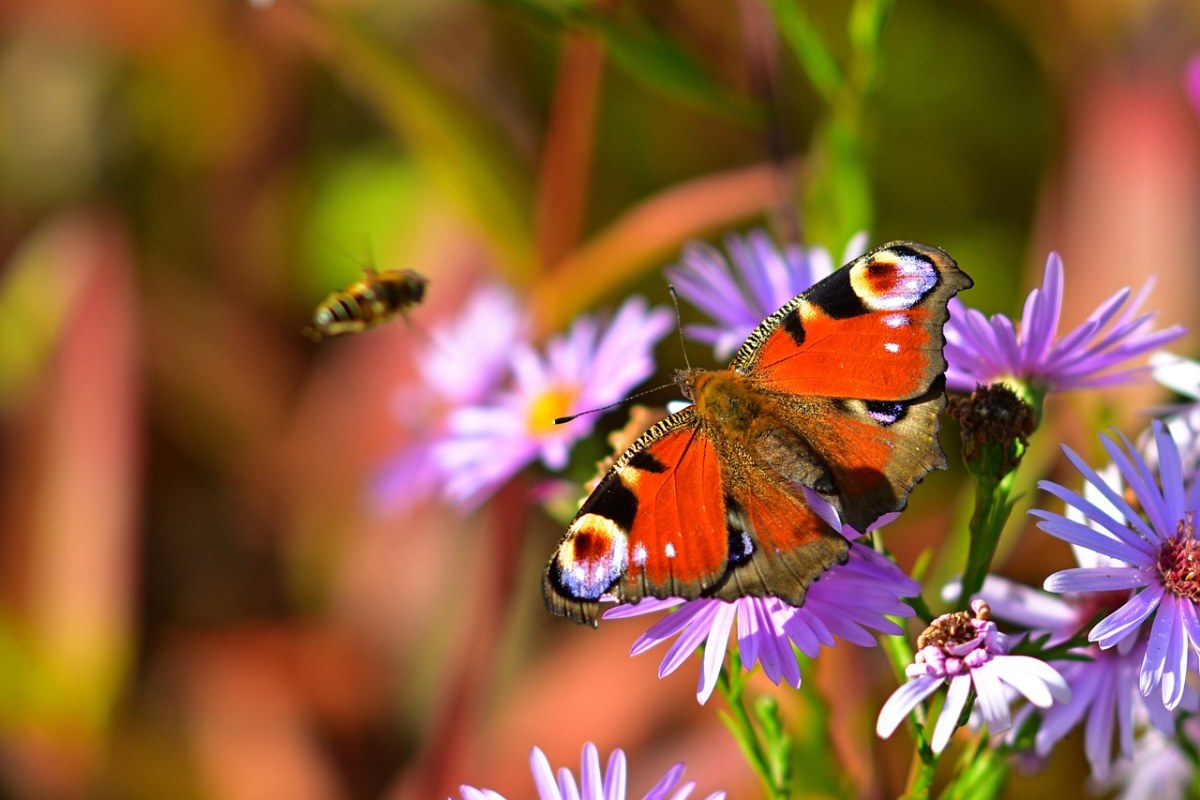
x=651, y=57
x=776, y=743
x=839, y=202
x=645, y=54
x=805, y=43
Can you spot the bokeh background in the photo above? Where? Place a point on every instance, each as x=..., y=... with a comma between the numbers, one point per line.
x=200, y=594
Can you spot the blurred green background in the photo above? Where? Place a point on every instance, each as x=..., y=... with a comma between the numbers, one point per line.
x=198, y=598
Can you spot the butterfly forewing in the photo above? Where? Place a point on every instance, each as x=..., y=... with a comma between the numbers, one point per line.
x=653, y=527
x=870, y=331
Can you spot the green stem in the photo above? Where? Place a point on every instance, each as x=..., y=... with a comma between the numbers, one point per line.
x=731, y=685
x=920, y=777
x=992, y=508
x=925, y=761
x=980, y=774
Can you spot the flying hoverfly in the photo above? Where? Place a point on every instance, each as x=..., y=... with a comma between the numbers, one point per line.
x=378, y=298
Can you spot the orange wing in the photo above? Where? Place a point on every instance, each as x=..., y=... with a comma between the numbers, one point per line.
x=781, y=546
x=871, y=453
x=870, y=331
x=655, y=526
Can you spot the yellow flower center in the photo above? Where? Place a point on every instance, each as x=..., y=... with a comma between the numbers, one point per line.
x=551, y=404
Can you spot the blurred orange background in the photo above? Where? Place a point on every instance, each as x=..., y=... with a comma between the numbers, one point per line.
x=198, y=597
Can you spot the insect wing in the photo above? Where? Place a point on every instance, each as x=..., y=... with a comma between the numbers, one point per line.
x=655, y=526
x=870, y=331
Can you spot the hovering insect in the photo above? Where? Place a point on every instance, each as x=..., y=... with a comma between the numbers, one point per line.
x=378, y=298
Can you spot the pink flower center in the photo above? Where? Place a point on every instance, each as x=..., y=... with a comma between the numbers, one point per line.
x=948, y=630
x=957, y=642
x=1179, y=560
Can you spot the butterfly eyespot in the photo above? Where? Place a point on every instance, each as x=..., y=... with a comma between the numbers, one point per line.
x=593, y=556
x=893, y=280
x=741, y=546
x=886, y=413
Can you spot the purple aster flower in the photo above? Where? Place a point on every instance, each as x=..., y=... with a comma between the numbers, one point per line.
x=592, y=785
x=1155, y=545
x=590, y=366
x=469, y=356
x=466, y=358
x=848, y=601
x=1104, y=689
x=1031, y=353
x=760, y=280
x=967, y=650
x=1105, y=696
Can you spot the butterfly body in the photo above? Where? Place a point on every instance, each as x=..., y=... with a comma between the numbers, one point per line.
x=837, y=394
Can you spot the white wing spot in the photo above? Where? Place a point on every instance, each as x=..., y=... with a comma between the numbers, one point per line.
x=669, y=550
x=639, y=554
x=892, y=347
x=896, y=320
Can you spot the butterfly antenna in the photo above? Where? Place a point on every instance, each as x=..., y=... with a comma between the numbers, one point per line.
x=679, y=326
x=682, y=345
x=622, y=401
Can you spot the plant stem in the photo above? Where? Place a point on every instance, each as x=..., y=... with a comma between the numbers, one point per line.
x=731, y=685
x=992, y=508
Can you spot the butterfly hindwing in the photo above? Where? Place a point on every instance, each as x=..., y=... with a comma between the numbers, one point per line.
x=870, y=331
x=871, y=453
x=654, y=527
x=778, y=545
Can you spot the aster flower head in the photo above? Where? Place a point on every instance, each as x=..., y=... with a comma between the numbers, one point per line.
x=967, y=650
x=848, y=601
x=466, y=359
x=592, y=785
x=1105, y=699
x=1032, y=355
x=591, y=365
x=1154, y=546
x=741, y=291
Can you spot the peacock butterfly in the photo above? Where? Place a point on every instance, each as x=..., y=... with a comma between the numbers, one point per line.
x=839, y=391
